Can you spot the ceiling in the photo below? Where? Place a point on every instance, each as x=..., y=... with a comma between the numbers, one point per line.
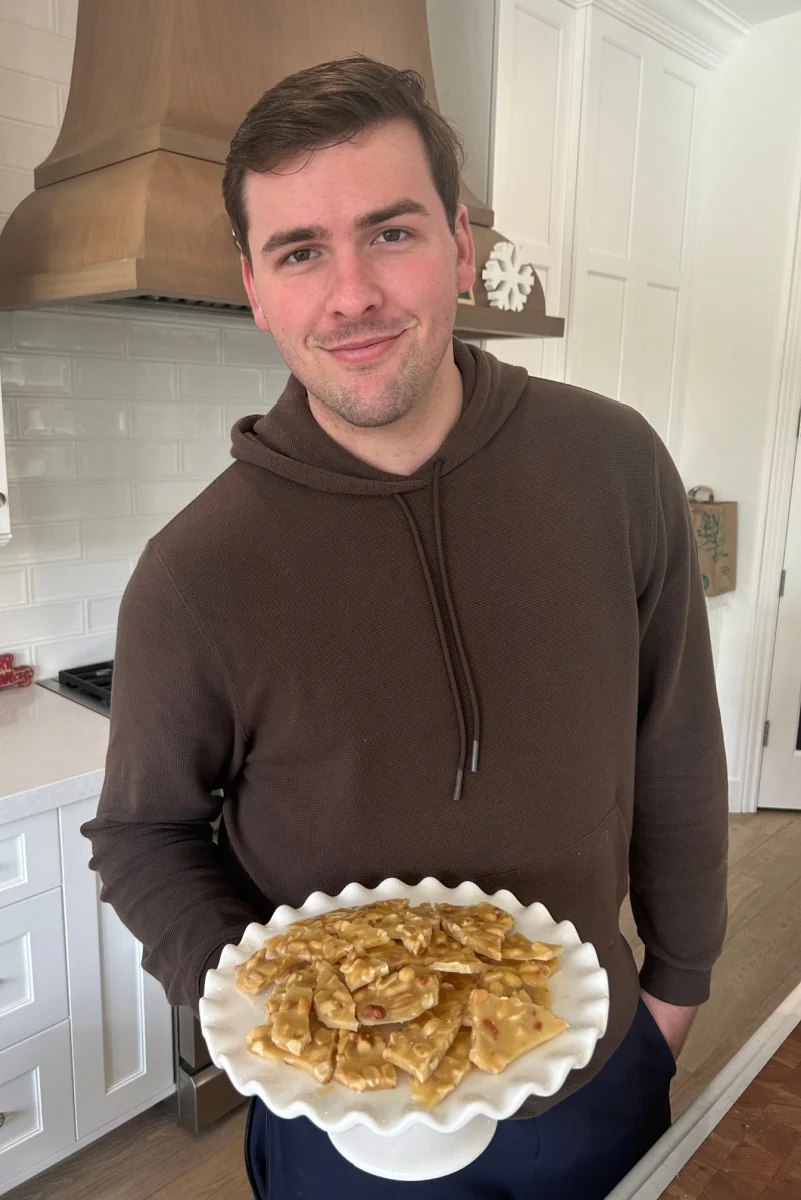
x=755, y=11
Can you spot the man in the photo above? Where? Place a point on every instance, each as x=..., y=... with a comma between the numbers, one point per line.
x=439, y=618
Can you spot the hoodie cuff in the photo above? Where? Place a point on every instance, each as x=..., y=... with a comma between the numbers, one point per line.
x=674, y=985
x=210, y=963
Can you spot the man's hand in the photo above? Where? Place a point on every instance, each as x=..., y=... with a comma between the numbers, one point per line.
x=674, y=1020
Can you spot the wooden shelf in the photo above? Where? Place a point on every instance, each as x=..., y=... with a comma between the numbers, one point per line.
x=478, y=320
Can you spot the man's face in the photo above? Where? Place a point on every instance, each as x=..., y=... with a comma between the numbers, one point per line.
x=356, y=272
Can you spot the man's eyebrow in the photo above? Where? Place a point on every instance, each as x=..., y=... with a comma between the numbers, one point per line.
x=318, y=233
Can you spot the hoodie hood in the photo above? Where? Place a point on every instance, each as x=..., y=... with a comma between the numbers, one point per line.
x=289, y=442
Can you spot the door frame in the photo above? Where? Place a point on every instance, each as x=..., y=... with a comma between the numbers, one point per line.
x=775, y=529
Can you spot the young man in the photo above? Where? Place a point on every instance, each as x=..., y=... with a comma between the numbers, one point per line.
x=438, y=618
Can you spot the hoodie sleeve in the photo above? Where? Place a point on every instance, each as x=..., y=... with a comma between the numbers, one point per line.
x=678, y=855
x=175, y=738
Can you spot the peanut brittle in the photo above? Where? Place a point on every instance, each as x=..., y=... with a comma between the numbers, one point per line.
x=360, y=969
x=359, y=935
x=517, y=946
x=360, y=1061
x=333, y=1003
x=419, y=1046
x=260, y=1042
x=381, y=908
x=259, y=972
x=290, y=1027
x=318, y=1055
x=504, y=1028
x=480, y=926
x=309, y=942
x=410, y=928
x=453, y=1066
x=305, y=976
x=401, y=996
x=446, y=954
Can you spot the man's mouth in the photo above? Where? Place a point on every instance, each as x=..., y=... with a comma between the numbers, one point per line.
x=368, y=349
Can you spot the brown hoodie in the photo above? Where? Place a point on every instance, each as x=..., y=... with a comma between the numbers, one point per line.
x=496, y=669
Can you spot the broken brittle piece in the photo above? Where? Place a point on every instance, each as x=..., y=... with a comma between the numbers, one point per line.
x=309, y=942
x=446, y=954
x=410, y=928
x=360, y=935
x=317, y=1056
x=480, y=926
x=360, y=1061
x=419, y=1046
x=517, y=946
x=259, y=972
x=503, y=1028
x=453, y=1066
x=360, y=969
x=333, y=1003
x=290, y=1027
x=260, y=1042
x=401, y=996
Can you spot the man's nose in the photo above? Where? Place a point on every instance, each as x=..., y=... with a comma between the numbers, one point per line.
x=354, y=289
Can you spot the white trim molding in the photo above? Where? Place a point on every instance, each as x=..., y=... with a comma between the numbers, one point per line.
x=702, y=30
x=780, y=486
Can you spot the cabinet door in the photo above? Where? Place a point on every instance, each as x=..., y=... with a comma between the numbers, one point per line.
x=35, y=1103
x=33, y=982
x=121, y=1021
x=641, y=129
x=535, y=153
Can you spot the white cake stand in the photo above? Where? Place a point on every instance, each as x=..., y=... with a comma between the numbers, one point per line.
x=419, y=1153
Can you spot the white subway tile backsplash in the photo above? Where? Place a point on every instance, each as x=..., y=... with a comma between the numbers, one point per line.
x=220, y=383
x=163, y=339
x=73, y=418
x=79, y=334
x=102, y=613
x=26, y=99
x=28, y=12
x=51, y=657
x=205, y=459
x=127, y=460
x=35, y=374
x=68, y=580
x=66, y=17
x=41, y=543
x=123, y=379
x=13, y=589
x=5, y=330
x=250, y=345
x=24, y=145
x=166, y=498
x=9, y=420
x=35, y=52
x=14, y=187
x=15, y=501
x=74, y=501
x=274, y=383
x=120, y=535
x=36, y=621
x=40, y=460
x=178, y=420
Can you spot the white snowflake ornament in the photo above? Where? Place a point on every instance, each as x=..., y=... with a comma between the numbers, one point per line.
x=507, y=279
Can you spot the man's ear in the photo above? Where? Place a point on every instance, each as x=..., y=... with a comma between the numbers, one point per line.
x=255, y=303
x=465, y=250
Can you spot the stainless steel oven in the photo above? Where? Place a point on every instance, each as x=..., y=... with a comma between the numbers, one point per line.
x=204, y=1091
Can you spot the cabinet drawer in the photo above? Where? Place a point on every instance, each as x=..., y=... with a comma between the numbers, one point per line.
x=29, y=857
x=33, y=974
x=36, y=1100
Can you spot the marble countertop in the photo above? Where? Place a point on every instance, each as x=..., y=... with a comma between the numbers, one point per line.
x=52, y=751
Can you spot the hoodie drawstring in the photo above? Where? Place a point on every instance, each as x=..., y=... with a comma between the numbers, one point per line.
x=443, y=640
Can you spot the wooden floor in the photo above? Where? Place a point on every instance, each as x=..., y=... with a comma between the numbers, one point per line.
x=150, y=1158
x=755, y=1151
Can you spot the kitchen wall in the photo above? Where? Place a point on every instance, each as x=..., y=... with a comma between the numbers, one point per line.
x=744, y=245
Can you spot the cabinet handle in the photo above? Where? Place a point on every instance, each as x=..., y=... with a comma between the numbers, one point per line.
x=3, y=499
x=2, y=1119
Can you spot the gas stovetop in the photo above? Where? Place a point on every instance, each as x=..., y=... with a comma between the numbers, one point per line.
x=90, y=686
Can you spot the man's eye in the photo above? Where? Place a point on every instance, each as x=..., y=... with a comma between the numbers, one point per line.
x=393, y=235
x=300, y=256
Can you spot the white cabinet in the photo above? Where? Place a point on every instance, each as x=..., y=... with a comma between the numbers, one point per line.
x=30, y=861
x=33, y=980
x=36, y=1103
x=120, y=1020
x=5, y=515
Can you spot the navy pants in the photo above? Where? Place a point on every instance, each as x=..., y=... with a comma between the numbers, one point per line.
x=577, y=1150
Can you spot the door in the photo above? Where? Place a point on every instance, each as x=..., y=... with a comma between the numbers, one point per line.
x=121, y=1021
x=780, y=780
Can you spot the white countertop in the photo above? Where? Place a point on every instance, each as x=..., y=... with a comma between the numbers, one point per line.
x=52, y=751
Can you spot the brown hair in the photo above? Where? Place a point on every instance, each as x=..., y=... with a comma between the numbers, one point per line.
x=328, y=104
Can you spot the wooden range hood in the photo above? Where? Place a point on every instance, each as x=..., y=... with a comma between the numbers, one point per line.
x=128, y=204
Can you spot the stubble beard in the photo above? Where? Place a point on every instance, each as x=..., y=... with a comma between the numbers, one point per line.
x=411, y=383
